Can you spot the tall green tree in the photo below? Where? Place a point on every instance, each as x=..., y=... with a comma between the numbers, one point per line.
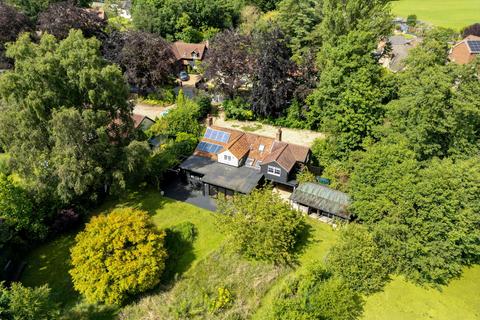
x=437, y=109
x=162, y=17
x=358, y=261
x=353, y=88
x=340, y=17
x=262, y=226
x=298, y=20
x=47, y=98
x=425, y=220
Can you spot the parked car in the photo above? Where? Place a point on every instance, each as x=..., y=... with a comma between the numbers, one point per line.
x=184, y=76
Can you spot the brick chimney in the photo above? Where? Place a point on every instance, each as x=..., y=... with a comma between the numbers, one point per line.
x=209, y=120
x=278, y=136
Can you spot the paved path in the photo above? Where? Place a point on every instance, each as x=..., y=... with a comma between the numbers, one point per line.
x=295, y=136
x=150, y=111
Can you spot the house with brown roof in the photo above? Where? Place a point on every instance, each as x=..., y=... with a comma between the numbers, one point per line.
x=142, y=122
x=187, y=54
x=466, y=50
x=228, y=161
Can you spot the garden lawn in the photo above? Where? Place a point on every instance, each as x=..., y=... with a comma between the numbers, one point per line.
x=460, y=300
x=49, y=263
x=455, y=14
x=206, y=268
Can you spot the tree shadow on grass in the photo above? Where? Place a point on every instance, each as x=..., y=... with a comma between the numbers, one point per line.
x=305, y=239
x=179, y=244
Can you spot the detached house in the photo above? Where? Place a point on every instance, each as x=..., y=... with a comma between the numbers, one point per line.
x=188, y=53
x=466, y=50
x=228, y=161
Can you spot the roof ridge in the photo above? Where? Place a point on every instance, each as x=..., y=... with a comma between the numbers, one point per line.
x=235, y=140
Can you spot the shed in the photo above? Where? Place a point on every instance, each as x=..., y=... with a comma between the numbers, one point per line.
x=319, y=199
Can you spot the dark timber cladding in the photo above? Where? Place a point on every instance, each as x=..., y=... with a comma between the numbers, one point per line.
x=241, y=179
x=322, y=198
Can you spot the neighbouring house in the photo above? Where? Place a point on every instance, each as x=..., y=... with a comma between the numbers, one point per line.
x=393, y=51
x=97, y=10
x=317, y=199
x=187, y=54
x=142, y=122
x=228, y=161
x=466, y=50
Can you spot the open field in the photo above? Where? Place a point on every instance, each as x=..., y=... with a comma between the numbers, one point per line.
x=207, y=266
x=455, y=14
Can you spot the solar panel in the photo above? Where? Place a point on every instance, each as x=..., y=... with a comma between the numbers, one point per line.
x=209, y=147
x=216, y=135
x=474, y=46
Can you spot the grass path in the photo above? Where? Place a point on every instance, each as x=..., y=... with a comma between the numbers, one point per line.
x=455, y=14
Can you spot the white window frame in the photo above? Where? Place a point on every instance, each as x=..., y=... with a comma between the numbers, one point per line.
x=226, y=157
x=274, y=171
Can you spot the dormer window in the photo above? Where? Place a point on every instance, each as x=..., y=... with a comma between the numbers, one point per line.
x=194, y=55
x=261, y=148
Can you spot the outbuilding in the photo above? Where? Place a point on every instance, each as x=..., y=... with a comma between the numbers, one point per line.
x=313, y=198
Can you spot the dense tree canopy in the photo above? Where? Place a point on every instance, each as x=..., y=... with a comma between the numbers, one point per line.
x=147, y=60
x=472, y=30
x=348, y=102
x=230, y=62
x=60, y=17
x=47, y=98
x=262, y=226
x=12, y=23
x=424, y=219
x=33, y=7
x=265, y=5
x=273, y=84
x=117, y=256
x=358, y=261
x=447, y=125
x=340, y=17
x=17, y=210
x=167, y=18
x=298, y=20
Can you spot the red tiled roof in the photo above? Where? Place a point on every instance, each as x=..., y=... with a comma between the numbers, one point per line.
x=183, y=50
x=243, y=144
x=461, y=52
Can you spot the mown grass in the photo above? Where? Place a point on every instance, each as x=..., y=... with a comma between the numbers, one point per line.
x=205, y=267
x=400, y=300
x=455, y=14
x=49, y=263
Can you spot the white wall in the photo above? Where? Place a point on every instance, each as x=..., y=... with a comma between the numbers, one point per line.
x=232, y=162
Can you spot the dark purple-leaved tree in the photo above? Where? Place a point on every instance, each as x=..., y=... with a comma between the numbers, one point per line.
x=60, y=17
x=12, y=23
x=472, y=30
x=273, y=82
x=230, y=62
x=146, y=59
